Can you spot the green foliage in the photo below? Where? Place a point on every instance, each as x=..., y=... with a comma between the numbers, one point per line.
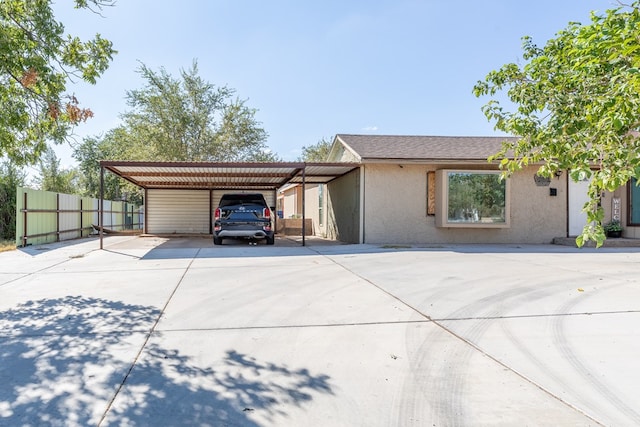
x=53, y=178
x=613, y=225
x=186, y=119
x=11, y=177
x=189, y=119
x=576, y=106
x=318, y=152
x=115, y=145
x=37, y=60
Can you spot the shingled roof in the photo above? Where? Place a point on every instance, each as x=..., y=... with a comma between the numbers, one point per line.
x=398, y=147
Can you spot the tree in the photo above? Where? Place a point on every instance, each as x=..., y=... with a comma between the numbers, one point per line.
x=186, y=119
x=318, y=152
x=576, y=105
x=37, y=61
x=190, y=119
x=239, y=138
x=115, y=145
x=53, y=178
x=11, y=177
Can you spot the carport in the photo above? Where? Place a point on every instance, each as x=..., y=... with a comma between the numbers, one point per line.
x=219, y=176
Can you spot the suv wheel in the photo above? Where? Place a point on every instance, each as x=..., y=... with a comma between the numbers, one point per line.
x=270, y=240
x=217, y=240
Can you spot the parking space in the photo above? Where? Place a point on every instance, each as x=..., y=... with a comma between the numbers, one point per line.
x=174, y=331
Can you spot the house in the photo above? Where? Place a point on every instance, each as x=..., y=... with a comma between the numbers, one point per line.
x=436, y=190
x=382, y=189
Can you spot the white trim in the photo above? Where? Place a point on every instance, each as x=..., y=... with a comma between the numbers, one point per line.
x=361, y=228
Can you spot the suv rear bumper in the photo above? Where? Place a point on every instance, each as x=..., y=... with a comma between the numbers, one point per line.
x=256, y=234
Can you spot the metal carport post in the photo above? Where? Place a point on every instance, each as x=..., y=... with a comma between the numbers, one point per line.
x=101, y=206
x=304, y=190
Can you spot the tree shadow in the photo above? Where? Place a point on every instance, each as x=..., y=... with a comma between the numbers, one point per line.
x=63, y=360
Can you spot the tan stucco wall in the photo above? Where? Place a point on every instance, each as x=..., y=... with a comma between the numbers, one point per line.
x=290, y=203
x=343, y=208
x=623, y=194
x=312, y=209
x=395, y=203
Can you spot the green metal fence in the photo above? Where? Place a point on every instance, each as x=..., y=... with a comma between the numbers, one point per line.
x=45, y=216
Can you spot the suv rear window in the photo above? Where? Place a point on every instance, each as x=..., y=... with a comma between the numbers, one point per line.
x=233, y=199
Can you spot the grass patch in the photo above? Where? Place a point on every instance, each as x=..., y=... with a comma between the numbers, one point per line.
x=7, y=245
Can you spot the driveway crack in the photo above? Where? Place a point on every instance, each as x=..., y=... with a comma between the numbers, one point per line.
x=146, y=340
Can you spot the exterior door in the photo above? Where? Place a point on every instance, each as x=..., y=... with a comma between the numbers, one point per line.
x=577, y=198
x=634, y=202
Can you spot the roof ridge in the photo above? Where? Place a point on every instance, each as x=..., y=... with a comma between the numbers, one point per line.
x=423, y=136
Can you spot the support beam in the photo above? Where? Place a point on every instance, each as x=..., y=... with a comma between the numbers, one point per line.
x=101, y=207
x=304, y=191
x=274, y=211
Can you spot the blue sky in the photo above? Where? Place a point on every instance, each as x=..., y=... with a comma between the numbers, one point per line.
x=313, y=69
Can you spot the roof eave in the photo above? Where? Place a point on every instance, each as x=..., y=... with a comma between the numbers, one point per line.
x=424, y=161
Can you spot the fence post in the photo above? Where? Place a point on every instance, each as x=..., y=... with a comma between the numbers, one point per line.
x=24, y=222
x=101, y=206
x=57, y=217
x=81, y=213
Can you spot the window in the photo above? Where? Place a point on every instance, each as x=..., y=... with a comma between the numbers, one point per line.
x=477, y=199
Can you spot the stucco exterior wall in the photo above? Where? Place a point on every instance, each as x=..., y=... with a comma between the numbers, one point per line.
x=343, y=208
x=395, y=203
x=290, y=203
x=622, y=193
x=312, y=209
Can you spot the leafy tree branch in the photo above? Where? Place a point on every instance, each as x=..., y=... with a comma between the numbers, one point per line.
x=37, y=62
x=575, y=106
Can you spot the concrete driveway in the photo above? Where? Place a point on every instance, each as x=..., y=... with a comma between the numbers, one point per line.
x=152, y=332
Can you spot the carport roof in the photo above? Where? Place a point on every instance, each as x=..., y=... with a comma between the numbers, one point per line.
x=207, y=175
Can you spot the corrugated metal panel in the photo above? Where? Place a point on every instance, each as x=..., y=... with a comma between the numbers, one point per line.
x=88, y=204
x=37, y=222
x=107, y=217
x=190, y=175
x=177, y=211
x=69, y=220
x=269, y=196
x=95, y=216
x=49, y=214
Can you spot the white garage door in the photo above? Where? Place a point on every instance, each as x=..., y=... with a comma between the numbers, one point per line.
x=177, y=211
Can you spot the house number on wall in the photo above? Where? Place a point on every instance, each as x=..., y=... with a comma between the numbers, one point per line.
x=615, y=208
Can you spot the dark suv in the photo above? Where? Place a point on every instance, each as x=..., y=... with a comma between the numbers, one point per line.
x=242, y=216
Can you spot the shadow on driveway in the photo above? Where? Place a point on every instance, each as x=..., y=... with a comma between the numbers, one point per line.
x=76, y=361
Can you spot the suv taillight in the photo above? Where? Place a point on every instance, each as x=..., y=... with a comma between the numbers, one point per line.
x=266, y=212
x=216, y=214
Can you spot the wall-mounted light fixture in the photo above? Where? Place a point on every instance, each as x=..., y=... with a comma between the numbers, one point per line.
x=558, y=174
